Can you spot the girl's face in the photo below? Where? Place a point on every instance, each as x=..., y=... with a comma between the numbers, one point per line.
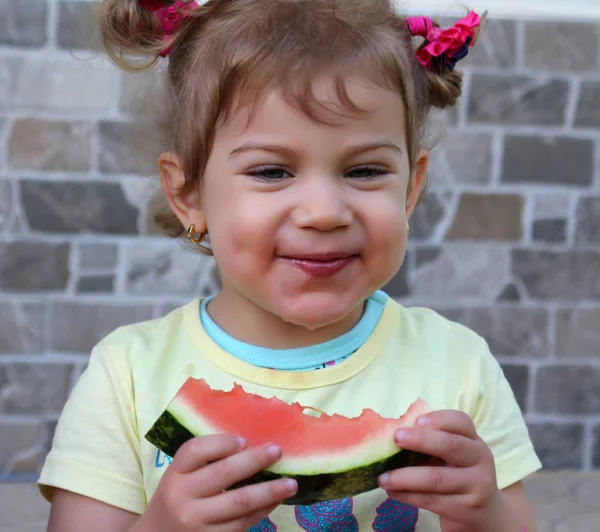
x=307, y=220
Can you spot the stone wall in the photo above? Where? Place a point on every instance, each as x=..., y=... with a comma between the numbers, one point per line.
x=508, y=240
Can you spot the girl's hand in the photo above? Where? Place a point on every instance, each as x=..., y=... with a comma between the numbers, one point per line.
x=462, y=488
x=191, y=495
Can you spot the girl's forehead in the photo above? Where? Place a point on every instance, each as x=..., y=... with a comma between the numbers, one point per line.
x=370, y=106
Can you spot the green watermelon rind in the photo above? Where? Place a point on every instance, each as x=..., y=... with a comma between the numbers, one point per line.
x=168, y=435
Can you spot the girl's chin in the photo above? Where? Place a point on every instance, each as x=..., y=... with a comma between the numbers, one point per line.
x=315, y=317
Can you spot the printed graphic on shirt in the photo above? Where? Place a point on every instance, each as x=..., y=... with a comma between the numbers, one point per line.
x=393, y=516
x=332, y=516
x=266, y=525
x=162, y=459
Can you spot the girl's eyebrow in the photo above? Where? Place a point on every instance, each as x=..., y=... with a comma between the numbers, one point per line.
x=282, y=150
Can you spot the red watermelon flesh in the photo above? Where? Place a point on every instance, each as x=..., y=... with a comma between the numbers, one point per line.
x=334, y=456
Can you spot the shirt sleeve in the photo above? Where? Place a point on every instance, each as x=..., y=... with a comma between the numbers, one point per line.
x=96, y=449
x=501, y=425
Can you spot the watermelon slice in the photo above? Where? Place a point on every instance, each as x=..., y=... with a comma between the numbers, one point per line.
x=331, y=456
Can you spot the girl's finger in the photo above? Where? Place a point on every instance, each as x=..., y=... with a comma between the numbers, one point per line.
x=219, y=476
x=199, y=452
x=438, y=480
x=453, y=421
x=244, y=503
x=454, y=449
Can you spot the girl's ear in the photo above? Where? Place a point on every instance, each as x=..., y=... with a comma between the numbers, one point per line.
x=184, y=200
x=417, y=182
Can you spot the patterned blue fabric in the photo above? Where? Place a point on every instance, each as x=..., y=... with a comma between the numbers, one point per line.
x=393, y=516
x=332, y=516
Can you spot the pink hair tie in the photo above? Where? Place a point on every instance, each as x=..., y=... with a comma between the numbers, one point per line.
x=171, y=16
x=444, y=48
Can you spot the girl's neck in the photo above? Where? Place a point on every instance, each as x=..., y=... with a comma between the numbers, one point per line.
x=248, y=322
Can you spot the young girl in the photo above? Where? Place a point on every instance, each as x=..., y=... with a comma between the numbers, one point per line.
x=295, y=134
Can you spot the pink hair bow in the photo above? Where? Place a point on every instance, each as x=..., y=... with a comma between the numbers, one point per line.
x=444, y=48
x=170, y=16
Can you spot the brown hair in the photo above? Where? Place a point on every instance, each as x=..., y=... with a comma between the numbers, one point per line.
x=226, y=51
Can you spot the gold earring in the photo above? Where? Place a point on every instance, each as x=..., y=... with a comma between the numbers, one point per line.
x=195, y=238
x=408, y=228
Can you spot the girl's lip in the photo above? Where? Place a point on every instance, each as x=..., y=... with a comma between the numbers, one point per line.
x=320, y=268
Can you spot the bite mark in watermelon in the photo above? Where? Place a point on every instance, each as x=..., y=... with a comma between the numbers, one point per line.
x=330, y=456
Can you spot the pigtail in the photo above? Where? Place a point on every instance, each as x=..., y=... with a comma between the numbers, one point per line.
x=129, y=30
x=439, y=53
x=444, y=89
x=144, y=28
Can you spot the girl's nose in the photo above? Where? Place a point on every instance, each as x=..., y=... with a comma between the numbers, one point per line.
x=321, y=205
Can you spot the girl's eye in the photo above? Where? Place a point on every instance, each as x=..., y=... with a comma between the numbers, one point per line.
x=269, y=173
x=366, y=172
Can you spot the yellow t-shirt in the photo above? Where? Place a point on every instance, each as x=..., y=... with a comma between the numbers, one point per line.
x=99, y=449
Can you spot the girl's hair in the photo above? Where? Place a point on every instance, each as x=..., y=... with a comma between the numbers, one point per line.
x=226, y=52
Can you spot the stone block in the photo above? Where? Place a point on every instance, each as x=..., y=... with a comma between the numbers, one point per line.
x=552, y=206
x=518, y=378
x=127, y=148
x=488, y=217
x=33, y=266
x=93, y=284
x=56, y=84
x=518, y=100
x=49, y=431
x=588, y=108
x=509, y=331
x=559, y=446
x=78, y=327
x=559, y=275
x=558, y=46
x=35, y=388
x=168, y=268
x=78, y=27
x=23, y=23
x=588, y=220
x=94, y=255
x=510, y=294
x=596, y=449
x=462, y=158
x=462, y=271
x=578, y=332
x=19, y=447
x=548, y=160
x=47, y=145
x=568, y=390
x=496, y=46
x=77, y=207
x=550, y=231
x=21, y=327
x=6, y=205
x=427, y=216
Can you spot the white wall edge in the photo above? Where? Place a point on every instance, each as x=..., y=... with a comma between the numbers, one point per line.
x=580, y=10
x=568, y=10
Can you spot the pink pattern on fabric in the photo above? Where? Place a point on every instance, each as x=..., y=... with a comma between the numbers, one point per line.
x=449, y=41
x=170, y=17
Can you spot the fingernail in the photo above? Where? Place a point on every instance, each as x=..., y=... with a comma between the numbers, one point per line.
x=402, y=436
x=274, y=451
x=291, y=486
x=241, y=442
x=423, y=421
x=384, y=480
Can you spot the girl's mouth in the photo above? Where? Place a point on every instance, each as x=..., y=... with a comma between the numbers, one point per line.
x=321, y=268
